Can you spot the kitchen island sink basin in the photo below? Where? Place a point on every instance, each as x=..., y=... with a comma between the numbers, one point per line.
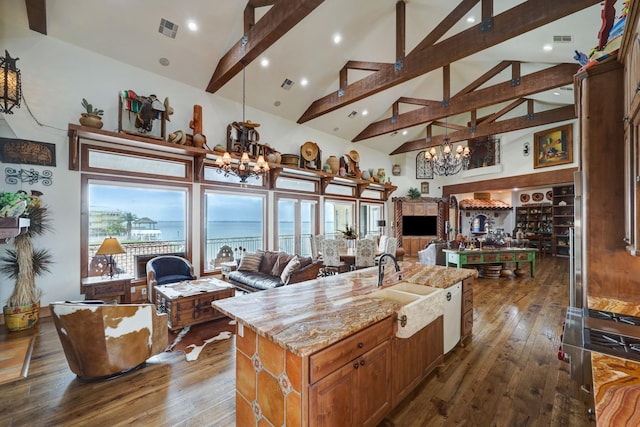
x=417, y=305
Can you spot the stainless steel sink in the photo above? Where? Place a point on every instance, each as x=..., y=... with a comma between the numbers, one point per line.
x=417, y=305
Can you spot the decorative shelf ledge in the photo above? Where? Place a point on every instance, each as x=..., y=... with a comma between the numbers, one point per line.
x=12, y=227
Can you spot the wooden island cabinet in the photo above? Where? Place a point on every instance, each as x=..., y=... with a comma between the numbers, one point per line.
x=325, y=352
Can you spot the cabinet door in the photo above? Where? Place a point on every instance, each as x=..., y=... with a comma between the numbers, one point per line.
x=330, y=399
x=420, y=209
x=372, y=395
x=407, y=209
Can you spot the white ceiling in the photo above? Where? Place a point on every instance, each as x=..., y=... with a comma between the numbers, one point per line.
x=128, y=31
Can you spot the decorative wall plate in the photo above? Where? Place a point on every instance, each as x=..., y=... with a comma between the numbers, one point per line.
x=549, y=195
x=537, y=197
x=524, y=197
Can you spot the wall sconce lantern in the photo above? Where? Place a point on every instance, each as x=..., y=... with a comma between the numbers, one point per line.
x=10, y=84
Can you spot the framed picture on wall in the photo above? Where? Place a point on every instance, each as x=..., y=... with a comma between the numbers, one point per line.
x=424, y=187
x=553, y=147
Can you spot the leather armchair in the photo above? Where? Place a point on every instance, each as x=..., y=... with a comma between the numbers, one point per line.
x=167, y=269
x=102, y=341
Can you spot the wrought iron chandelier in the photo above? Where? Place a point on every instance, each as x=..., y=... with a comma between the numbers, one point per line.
x=448, y=163
x=10, y=84
x=241, y=169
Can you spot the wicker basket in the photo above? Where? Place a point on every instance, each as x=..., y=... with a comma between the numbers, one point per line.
x=290, y=160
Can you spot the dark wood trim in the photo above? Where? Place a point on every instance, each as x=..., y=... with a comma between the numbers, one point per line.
x=282, y=17
x=552, y=77
x=37, y=15
x=509, y=24
x=401, y=31
x=497, y=69
x=419, y=101
x=556, y=177
x=567, y=112
x=445, y=25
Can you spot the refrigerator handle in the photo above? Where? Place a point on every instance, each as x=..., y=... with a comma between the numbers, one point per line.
x=572, y=280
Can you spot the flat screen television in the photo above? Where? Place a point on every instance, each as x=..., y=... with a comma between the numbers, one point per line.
x=419, y=225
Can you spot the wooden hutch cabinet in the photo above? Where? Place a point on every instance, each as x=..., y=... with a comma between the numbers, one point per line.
x=429, y=210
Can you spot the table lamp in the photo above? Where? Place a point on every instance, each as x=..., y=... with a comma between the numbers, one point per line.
x=382, y=224
x=110, y=246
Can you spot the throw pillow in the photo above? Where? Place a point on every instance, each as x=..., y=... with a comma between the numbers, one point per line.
x=281, y=263
x=289, y=269
x=250, y=262
x=268, y=261
x=305, y=261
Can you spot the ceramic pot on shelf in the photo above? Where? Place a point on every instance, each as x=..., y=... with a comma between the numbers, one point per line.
x=334, y=163
x=91, y=120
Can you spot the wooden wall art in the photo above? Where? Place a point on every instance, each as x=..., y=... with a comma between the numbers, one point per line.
x=553, y=147
x=27, y=152
x=142, y=115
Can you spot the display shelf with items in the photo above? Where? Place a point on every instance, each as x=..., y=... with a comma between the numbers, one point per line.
x=563, y=219
x=536, y=222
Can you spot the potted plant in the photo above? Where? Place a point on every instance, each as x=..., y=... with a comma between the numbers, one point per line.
x=92, y=117
x=23, y=263
x=413, y=193
x=349, y=233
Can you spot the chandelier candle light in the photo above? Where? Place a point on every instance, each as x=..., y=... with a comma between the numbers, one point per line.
x=242, y=169
x=448, y=163
x=10, y=84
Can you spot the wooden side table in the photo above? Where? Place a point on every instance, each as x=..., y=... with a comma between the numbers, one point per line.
x=107, y=288
x=226, y=268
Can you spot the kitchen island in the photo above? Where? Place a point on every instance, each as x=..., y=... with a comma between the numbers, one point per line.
x=460, y=258
x=323, y=352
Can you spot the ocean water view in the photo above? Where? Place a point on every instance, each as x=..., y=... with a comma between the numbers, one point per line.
x=174, y=230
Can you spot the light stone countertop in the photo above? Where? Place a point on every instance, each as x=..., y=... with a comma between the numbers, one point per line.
x=309, y=316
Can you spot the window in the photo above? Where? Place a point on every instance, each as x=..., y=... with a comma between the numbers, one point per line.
x=147, y=219
x=337, y=215
x=370, y=213
x=296, y=225
x=232, y=222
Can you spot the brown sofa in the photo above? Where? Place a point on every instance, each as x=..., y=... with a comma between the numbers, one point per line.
x=263, y=270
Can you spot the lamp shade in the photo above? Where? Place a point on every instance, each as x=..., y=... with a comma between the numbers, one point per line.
x=382, y=223
x=110, y=246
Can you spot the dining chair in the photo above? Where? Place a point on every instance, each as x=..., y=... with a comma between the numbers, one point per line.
x=382, y=244
x=365, y=254
x=318, y=240
x=331, y=258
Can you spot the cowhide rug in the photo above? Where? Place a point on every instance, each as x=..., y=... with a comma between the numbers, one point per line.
x=193, y=339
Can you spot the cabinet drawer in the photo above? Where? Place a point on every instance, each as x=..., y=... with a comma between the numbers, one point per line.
x=332, y=358
x=474, y=258
x=467, y=323
x=102, y=290
x=490, y=257
x=522, y=257
x=467, y=300
x=507, y=257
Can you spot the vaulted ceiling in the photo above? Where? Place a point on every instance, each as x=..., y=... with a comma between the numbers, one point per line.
x=418, y=66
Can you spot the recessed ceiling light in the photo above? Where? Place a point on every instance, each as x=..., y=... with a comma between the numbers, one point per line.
x=365, y=112
x=192, y=26
x=304, y=82
x=471, y=19
x=264, y=62
x=404, y=132
x=163, y=61
x=547, y=48
x=556, y=93
x=337, y=38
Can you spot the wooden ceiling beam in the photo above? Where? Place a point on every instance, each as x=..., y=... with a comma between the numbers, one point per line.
x=37, y=15
x=554, y=177
x=509, y=24
x=401, y=29
x=445, y=25
x=282, y=17
x=449, y=125
x=556, y=76
x=419, y=101
x=493, y=117
x=489, y=129
x=502, y=65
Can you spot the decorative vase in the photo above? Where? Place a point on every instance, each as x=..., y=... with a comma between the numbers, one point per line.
x=21, y=317
x=278, y=156
x=366, y=175
x=396, y=170
x=342, y=172
x=381, y=175
x=91, y=120
x=334, y=163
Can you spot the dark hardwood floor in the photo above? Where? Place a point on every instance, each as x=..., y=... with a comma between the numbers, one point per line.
x=507, y=375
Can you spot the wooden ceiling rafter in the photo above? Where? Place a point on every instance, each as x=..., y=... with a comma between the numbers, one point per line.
x=539, y=81
x=37, y=15
x=508, y=24
x=281, y=17
x=492, y=128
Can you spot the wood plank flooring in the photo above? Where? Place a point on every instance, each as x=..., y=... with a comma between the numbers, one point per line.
x=506, y=375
